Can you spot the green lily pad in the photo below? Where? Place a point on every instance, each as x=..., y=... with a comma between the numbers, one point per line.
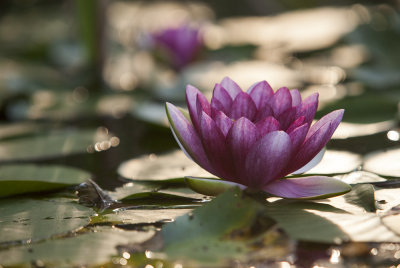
x=139, y=216
x=160, y=167
x=90, y=248
x=30, y=220
x=28, y=178
x=52, y=144
x=364, y=109
x=210, y=186
x=208, y=233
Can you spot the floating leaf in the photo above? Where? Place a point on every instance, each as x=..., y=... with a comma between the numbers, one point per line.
x=85, y=249
x=29, y=220
x=335, y=162
x=384, y=163
x=152, y=167
x=48, y=145
x=208, y=233
x=363, y=196
x=28, y=178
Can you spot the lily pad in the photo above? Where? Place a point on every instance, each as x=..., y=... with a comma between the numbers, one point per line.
x=30, y=220
x=335, y=162
x=85, y=249
x=52, y=144
x=385, y=163
x=207, y=234
x=160, y=167
x=28, y=178
x=364, y=109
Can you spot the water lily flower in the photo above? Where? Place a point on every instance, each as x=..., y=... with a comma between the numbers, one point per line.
x=256, y=138
x=180, y=44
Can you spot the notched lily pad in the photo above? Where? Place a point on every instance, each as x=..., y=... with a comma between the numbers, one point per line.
x=335, y=162
x=29, y=178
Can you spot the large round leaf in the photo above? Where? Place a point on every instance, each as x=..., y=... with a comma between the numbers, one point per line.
x=29, y=220
x=158, y=167
x=85, y=249
x=57, y=143
x=384, y=163
x=19, y=179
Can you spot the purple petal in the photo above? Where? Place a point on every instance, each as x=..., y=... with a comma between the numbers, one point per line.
x=297, y=136
x=243, y=106
x=216, y=148
x=266, y=126
x=261, y=93
x=333, y=118
x=286, y=118
x=311, y=147
x=231, y=86
x=240, y=138
x=222, y=98
x=264, y=112
x=281, y=101
x=314, y=187
x=309, y=107
x=298, y=122
x=296, y=97
x=196, y=100
x=223, y=122
x=187, y=137
x=267, y=158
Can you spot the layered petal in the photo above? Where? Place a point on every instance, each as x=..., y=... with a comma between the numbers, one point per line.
x=296, y=98
x=267, y=158
x=196, y=101
x=281, y=101
x=221, y=99
x=266, y=126
x=216, y=149
x=231, y=86
x=223, y=122
x=187, y=137
x=314, y=187
x=309, y=107
x=260, y=93
x=240, y=138
x=243, y=106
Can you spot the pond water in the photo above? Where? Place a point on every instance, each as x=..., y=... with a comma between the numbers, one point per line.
x=91, y=175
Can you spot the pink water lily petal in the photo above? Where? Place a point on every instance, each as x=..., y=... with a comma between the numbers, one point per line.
x=217, y=106
x=281, y=101
x=311, y=147
x=296, y=97
x=196, y=100
x=287, y=117
x=243, y=106
x=260, y=92
x=221, y=95
x=298, y=122
x=309, y=107
x=266, y=126
x=240, y=138
x=333, y=117
x=231, y=86
x=187, y=137
x=216, y=149
x=314, y=187
x=267, y=158
x=263, y=112
x=297, y=136
x=223, y=122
